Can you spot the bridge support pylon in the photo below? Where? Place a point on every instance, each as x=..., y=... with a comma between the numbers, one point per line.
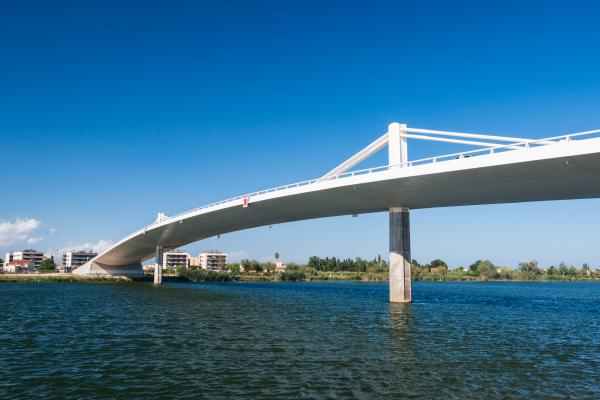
x=158, y=269
x=400, y=279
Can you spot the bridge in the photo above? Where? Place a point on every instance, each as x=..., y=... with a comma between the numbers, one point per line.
x=499, y=169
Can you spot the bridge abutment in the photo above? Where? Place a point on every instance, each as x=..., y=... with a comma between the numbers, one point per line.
x=399, y=263
x=158, y=269
x=92, y=268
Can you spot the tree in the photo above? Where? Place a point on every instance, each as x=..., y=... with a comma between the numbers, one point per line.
x=585, y=267
x=530, y=269
x=586, y=270
x=473, y=267
x=438, y=265
x=292, y=266
x=247, y=265
x=269, y=267
x=563, y=269
x=251, y=266
x=485, y=268
x=258, y=267
x=47, y=265
x=314, y=262
x=234, y=268
x=334, y=264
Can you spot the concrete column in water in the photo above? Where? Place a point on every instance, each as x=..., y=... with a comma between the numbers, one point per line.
x=400, y=279
x=158, y=268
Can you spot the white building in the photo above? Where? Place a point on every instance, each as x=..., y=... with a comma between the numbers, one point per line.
x=26, y=255
x=74, y=259
x=195, y=262
x=18, y=266
x=175, y=258
x=149, y=267
x=279, y=266
x=213, y=260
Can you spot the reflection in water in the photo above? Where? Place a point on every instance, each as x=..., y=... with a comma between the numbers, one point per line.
x=400, y=315
x=294, y=340
x=402, y=347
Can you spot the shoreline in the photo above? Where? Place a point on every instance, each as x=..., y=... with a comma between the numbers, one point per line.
x=61, y=277
x=69, y=277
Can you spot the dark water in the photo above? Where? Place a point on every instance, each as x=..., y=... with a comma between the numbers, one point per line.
x=299, y=340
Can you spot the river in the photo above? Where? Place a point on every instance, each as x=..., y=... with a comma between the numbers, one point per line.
x=299, y=340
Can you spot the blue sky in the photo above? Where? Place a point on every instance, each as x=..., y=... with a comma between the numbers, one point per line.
x=113, y=111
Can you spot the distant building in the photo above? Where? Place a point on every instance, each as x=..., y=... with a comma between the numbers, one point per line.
x=195, y=262
x=19, y=266
x=149, y=267
x=175, y=258
x=26, y=255
x=1, y=265
x=74, y=259
x=279, y=266
x=62, y=269
x=213, y=260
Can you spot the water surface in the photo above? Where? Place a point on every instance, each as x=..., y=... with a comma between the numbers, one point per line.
x=299, y=340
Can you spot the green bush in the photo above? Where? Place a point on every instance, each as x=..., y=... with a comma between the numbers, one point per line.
x=292, y=276
x=202, y=275
x=47, y=265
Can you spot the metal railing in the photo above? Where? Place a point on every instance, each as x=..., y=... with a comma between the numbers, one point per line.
x=430, y=160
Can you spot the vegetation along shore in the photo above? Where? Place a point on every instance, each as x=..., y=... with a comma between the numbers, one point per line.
x=332, y=268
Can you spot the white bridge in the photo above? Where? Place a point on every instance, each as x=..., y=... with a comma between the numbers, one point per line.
x=499, y=170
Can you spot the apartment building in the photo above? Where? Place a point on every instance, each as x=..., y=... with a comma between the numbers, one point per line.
x=213, y=260
x=74, y=259
x=175, y=258
x=26, y=255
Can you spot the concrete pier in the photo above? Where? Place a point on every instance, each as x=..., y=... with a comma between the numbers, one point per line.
x=400, y=279
x=158, y=269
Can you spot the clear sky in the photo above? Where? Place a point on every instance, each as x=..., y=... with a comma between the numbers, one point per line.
x=113, y=111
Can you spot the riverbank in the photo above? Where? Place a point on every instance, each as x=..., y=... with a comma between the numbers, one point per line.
x=358, y=277
x=208, y=276
x=60, y=277
x=318, y=276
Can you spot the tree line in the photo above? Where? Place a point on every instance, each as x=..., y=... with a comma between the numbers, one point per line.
x=437, y=269
x=333, y=264
x=483, y=269
x=486, y=269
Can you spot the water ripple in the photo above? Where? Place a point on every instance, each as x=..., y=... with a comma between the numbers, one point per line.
x=299, y=340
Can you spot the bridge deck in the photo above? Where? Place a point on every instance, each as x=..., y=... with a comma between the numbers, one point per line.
x=567, y=170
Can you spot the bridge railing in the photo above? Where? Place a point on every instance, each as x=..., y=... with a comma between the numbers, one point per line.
x=504, y=148
x=430, y=160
